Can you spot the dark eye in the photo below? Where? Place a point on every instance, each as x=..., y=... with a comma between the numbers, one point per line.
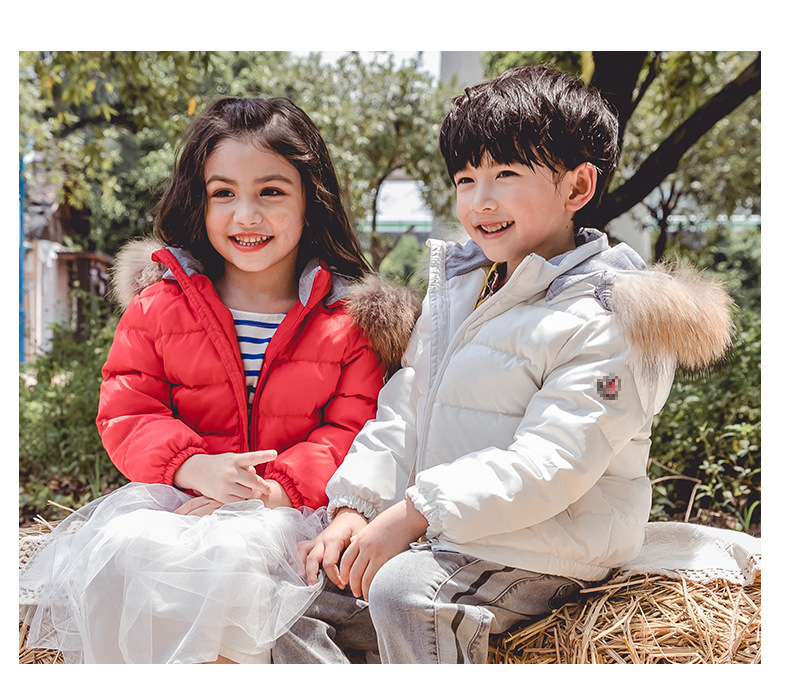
x=463, y=179
x=269, y=192
x=507, y=172
x=222, y=192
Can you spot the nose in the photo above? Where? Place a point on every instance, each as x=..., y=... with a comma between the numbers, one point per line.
x=483, y=198
x=247, y=212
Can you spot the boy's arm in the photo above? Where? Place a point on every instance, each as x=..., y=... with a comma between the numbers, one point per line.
x=564, y=444
x=375, y=473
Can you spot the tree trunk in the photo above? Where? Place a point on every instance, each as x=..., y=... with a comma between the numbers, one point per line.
x=377, y=243
x=661, y=241
x=615, y=76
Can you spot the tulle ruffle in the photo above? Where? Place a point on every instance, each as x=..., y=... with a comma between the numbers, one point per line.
x=124, y=580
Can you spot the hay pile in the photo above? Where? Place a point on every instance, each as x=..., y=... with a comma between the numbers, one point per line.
x=29, y=539
x=646, y=619
x=38, y=656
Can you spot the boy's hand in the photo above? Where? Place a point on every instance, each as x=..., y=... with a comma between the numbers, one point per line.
x=226, y=478
x=389, y=534
x=327, y=547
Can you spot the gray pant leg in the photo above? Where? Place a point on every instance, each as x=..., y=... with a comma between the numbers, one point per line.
x=436, y=606
x=335, y=621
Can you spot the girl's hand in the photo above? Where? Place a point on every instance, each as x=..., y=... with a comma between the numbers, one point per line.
x=327, y=547
x=389, y=534
x=197, y=507
x=226, y=478
x=275, y=497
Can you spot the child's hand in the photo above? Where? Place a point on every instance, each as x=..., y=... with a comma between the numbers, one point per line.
x=327, y=547
x=226, y=478
x=274, y=496
x=198, y=506
x=389, y=534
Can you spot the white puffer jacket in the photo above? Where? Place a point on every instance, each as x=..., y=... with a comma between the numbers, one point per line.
x=521, y=429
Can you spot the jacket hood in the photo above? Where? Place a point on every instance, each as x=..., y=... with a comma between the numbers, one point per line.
x=384, y=312
x=676, y=313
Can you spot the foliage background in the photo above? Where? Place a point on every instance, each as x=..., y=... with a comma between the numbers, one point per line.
x=706, y=460
x=105, y=127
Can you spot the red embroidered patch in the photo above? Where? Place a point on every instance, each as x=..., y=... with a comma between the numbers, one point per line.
x=609, y=387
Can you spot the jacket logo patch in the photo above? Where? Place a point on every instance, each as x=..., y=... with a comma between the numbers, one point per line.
x=608, y=388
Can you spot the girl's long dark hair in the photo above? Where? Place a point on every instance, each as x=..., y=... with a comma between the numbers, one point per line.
x=279, y=125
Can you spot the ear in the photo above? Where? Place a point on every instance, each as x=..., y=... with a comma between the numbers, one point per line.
x=580, y=184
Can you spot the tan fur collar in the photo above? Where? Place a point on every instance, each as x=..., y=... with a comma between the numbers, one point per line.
x=680, y=314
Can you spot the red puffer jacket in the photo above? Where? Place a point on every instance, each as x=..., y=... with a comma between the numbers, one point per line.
x=174, y=383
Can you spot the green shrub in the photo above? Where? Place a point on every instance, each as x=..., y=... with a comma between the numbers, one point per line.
x=706, y=457
x=402, y=265
x=61, y=457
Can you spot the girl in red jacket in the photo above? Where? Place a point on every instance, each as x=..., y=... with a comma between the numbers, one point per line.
x=250, y=353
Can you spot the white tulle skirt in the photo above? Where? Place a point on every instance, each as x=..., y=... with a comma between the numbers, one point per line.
x=124, y=580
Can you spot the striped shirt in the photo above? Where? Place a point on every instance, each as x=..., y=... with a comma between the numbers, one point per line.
x=254, y=331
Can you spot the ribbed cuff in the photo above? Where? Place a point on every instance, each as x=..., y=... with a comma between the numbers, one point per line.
x=426, y=510
x=297, y=500
x=364, y=508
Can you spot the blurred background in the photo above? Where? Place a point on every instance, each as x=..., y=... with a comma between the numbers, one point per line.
x=98, y=134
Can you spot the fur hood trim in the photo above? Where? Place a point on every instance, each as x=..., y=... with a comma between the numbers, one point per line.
x=133, y=270
x=681, y=314
x=384, y=312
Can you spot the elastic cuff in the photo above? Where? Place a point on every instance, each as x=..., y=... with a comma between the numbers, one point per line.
x=426, y=510
x=297, y=500
x=364, y=508
x=169, y=474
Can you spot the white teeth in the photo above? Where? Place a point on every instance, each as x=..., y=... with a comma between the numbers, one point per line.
x=252, y=241
x=494, y=227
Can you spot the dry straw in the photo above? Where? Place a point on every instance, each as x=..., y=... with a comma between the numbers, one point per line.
x=645, y=619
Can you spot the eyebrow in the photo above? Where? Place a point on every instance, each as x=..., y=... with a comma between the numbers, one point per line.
x=261, y=179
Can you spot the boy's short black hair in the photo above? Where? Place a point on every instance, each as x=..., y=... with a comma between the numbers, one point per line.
x=535, y=115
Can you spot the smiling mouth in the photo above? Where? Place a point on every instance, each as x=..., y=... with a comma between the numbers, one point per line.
x=492, y=228
x=251, y=241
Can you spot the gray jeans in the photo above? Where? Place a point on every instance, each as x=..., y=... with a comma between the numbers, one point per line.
x=426, y=605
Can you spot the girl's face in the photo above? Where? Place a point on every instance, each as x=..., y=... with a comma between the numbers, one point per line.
x=255, y=209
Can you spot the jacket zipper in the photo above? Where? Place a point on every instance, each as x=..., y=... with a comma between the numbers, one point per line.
x=271, y=353
x=216, y=334
x=431, y=396
x=455, y=340
x=276, y=346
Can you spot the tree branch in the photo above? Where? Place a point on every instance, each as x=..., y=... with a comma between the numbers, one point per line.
x=652, y=72
x=665, y=159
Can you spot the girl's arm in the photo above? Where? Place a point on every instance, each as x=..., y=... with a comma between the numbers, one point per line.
x=135, y=419
x=304, y=469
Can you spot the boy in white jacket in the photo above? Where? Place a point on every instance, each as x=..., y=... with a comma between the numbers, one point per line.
x=506, y=466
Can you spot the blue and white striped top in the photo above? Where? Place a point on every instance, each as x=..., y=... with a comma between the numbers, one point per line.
x=254, y=331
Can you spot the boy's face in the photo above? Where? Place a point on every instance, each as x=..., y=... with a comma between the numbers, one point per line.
x=512, y=211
